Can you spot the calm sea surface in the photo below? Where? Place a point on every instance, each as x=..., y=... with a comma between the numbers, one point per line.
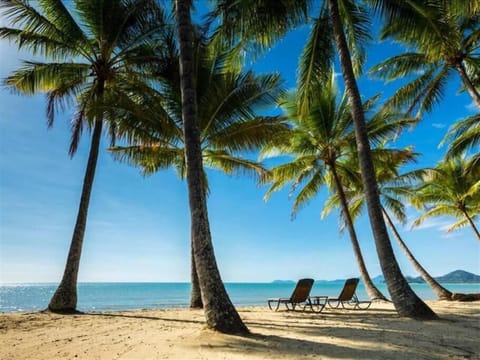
x=131, y=296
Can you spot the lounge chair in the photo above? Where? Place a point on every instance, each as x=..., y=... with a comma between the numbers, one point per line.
x=300, y=297
x=347, y=298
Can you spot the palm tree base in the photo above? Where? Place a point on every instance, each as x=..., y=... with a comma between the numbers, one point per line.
x=417, y=310
x=465, y=297
x=196, y=305
x=230, y=324
x=64, y=301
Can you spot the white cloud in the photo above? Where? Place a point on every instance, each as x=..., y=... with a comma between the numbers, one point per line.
x=439, y=125
x=438, y=223
x=472, y=107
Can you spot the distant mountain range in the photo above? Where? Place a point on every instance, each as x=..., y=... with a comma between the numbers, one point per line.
x=454, y=277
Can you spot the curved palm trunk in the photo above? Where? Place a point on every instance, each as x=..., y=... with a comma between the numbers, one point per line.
x=195, y=293
x=372, y=291
x=472, y=224
x=406, y=302
x=219, y=311
x=65, y=297
x=468, y=84
x=439, y=290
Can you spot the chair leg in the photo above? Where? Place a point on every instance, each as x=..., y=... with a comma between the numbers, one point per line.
x=366, y=303
x=335, y=304
x=270, y=306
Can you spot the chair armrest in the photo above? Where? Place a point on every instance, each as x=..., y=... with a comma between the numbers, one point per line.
x=317, y=299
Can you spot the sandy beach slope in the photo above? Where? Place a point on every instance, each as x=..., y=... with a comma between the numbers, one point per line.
x=377, y=333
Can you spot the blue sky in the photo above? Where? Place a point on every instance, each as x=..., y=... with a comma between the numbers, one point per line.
x=138, y=227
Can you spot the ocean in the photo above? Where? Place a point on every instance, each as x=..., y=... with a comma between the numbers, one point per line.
x=135, y=296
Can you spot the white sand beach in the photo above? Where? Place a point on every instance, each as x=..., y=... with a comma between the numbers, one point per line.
x=376, y=333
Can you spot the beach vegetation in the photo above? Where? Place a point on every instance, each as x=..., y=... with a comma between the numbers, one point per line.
x=322, y=135
x=219, y=311
x=396, y=189
x=452, y=188
x=440, y=39
x=230, y=121
x=87, y=49
x=340, y=31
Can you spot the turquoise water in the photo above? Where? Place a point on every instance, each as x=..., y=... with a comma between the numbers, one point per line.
x=133, y=296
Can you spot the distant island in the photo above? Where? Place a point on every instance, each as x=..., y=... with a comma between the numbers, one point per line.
x=283, y=281
x=454, y=277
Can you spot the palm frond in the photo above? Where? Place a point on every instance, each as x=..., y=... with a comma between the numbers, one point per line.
x=399, y=66
x=222, y=160
x=150, y=159
x=460, y=224
x=356, y=22
x=308, y=191
x=315, y=61
x=463, y=136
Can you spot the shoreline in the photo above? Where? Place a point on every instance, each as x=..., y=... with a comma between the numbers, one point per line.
x=140, y=296
x=376, y=333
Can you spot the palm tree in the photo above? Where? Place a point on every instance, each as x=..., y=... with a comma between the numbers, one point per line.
x=229, y=103
x=264, y=27
x=405, y=300
x=452, y=188
x=441, y=41
x=393, y=187
x=88, y=61
x=219, y=310
x=321, y=138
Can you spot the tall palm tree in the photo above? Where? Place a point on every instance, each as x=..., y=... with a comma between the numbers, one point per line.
x=321, y=140
x=452, y=188
x=405, y=300
x=230, y=124
x=89, y=52
x=440, y=41
x=393, y=187
x=351, y=17
x=219, y=310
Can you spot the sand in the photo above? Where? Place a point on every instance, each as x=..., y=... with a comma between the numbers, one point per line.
x=376, y=333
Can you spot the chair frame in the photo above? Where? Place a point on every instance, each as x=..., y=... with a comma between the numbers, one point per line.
x=348, y=298
x=300, y=298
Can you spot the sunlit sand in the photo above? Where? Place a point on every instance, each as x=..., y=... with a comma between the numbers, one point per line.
x=377, y=333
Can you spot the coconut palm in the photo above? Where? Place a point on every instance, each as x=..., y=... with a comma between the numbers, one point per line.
x=440, y=41
x=320, y=142
x=405, y=300
x=452, y=188
x=344, y=28
x=229, y=104
x=394, y=188
x=219, y=310
x=85, y=63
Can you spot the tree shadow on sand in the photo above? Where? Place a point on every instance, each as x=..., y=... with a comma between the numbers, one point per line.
x=144, y=317
x=343, y=335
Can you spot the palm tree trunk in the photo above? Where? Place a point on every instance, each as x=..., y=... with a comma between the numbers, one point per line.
x=219, y=311
x=406, y=302
x=468, y=84
x=372, y=291
x=472, y=224
x=195, y=293
x=65, y=297
x=441, y=292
